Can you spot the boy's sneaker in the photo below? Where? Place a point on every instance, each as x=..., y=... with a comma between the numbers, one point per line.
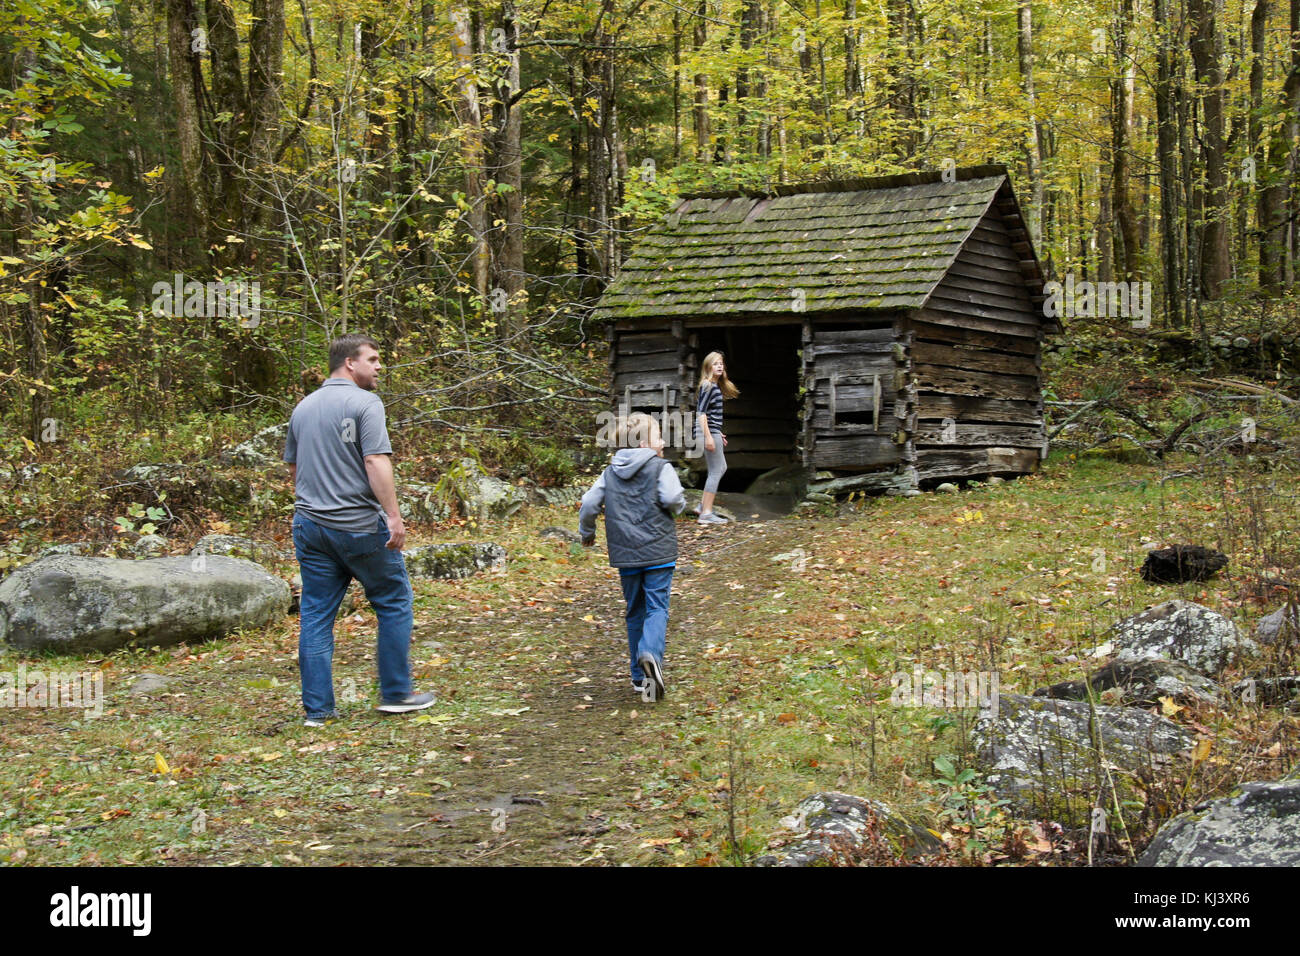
x=710, y=518
x=408, y=703
x=650, y=667
x=317, y=721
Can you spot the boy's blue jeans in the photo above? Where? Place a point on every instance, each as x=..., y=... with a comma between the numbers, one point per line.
x=329, y=560
x=646, y=593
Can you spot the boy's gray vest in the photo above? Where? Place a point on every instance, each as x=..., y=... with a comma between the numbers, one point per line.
x=639, y=532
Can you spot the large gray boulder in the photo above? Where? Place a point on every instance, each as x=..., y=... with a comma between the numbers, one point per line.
x=476, y=494
x=1203, y=639
x=486, y=496
x=1258, y=825
x=71, y=604
x=831, y=825
x=453, y=561
x=1035, y=751
x=788, y=481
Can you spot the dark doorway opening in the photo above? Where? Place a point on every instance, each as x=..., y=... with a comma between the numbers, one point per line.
x=764, y=424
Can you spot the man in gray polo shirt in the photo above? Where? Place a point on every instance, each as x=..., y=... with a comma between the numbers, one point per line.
x=346, y=525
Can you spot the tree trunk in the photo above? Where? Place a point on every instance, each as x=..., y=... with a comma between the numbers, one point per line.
x=1128, y=256
x=189, y=140
x=901, y=81
x=265, y=100
x=470, y=117
x=1274, y=222
x=750, y=16
x=230, y=102
x=699, y=37
x=33, y=317
x=852, y=71
x=578, y=200
x=1025, y=47
x=1206, y=47
x=507, y=169
x=600, y=158
x=620, y=232
x=767, y=17
x=1105, y=235
x=677, y=86
x=1167, y=155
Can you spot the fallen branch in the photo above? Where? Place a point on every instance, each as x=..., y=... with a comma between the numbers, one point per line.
x=1250, y=387
x=1061, y=427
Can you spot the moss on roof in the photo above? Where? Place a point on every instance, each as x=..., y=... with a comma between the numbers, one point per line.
x=855, y=244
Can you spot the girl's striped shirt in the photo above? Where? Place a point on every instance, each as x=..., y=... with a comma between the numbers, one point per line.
x=710, y=404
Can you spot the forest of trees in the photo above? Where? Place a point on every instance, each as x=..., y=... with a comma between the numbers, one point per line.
x=458, y=177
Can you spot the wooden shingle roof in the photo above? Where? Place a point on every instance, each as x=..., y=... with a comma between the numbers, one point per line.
x=855, y=244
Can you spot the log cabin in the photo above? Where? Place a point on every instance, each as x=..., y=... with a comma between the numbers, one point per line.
x=890, y=329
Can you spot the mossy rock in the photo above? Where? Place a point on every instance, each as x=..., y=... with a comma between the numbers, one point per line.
x=846, y=826
x=1257, y=825
x=1048, y=756
x=454, y=561
x=74, y=605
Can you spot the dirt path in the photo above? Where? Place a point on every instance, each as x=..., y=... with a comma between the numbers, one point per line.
x=579, y=769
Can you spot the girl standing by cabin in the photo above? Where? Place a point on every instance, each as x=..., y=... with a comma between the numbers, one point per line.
x=714, y=387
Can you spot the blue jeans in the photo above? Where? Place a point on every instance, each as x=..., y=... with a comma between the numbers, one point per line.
x=646, y=593
x=329, y=560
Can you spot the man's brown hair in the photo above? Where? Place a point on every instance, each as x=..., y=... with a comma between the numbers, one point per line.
x=348, y=346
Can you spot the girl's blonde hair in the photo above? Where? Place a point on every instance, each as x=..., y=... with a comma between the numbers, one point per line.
x=724, y=384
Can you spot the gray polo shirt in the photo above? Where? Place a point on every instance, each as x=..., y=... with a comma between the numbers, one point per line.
x=330, y=433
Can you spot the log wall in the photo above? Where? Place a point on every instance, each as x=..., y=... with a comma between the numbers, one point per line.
x=855, y=387
x=976, y=359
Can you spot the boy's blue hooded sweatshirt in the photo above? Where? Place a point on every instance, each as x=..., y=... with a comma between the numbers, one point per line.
x=641, y=493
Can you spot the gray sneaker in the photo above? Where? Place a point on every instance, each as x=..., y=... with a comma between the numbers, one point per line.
x=408, y=703
x=655, y=675
x=710, y=518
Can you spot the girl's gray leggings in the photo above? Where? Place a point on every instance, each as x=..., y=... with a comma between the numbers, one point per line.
x=717, y=463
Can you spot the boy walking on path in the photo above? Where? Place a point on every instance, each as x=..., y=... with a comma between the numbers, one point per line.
x=640, y=493
x=346, y=525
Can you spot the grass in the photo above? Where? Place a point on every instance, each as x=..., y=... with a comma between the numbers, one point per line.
x=779, y=671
